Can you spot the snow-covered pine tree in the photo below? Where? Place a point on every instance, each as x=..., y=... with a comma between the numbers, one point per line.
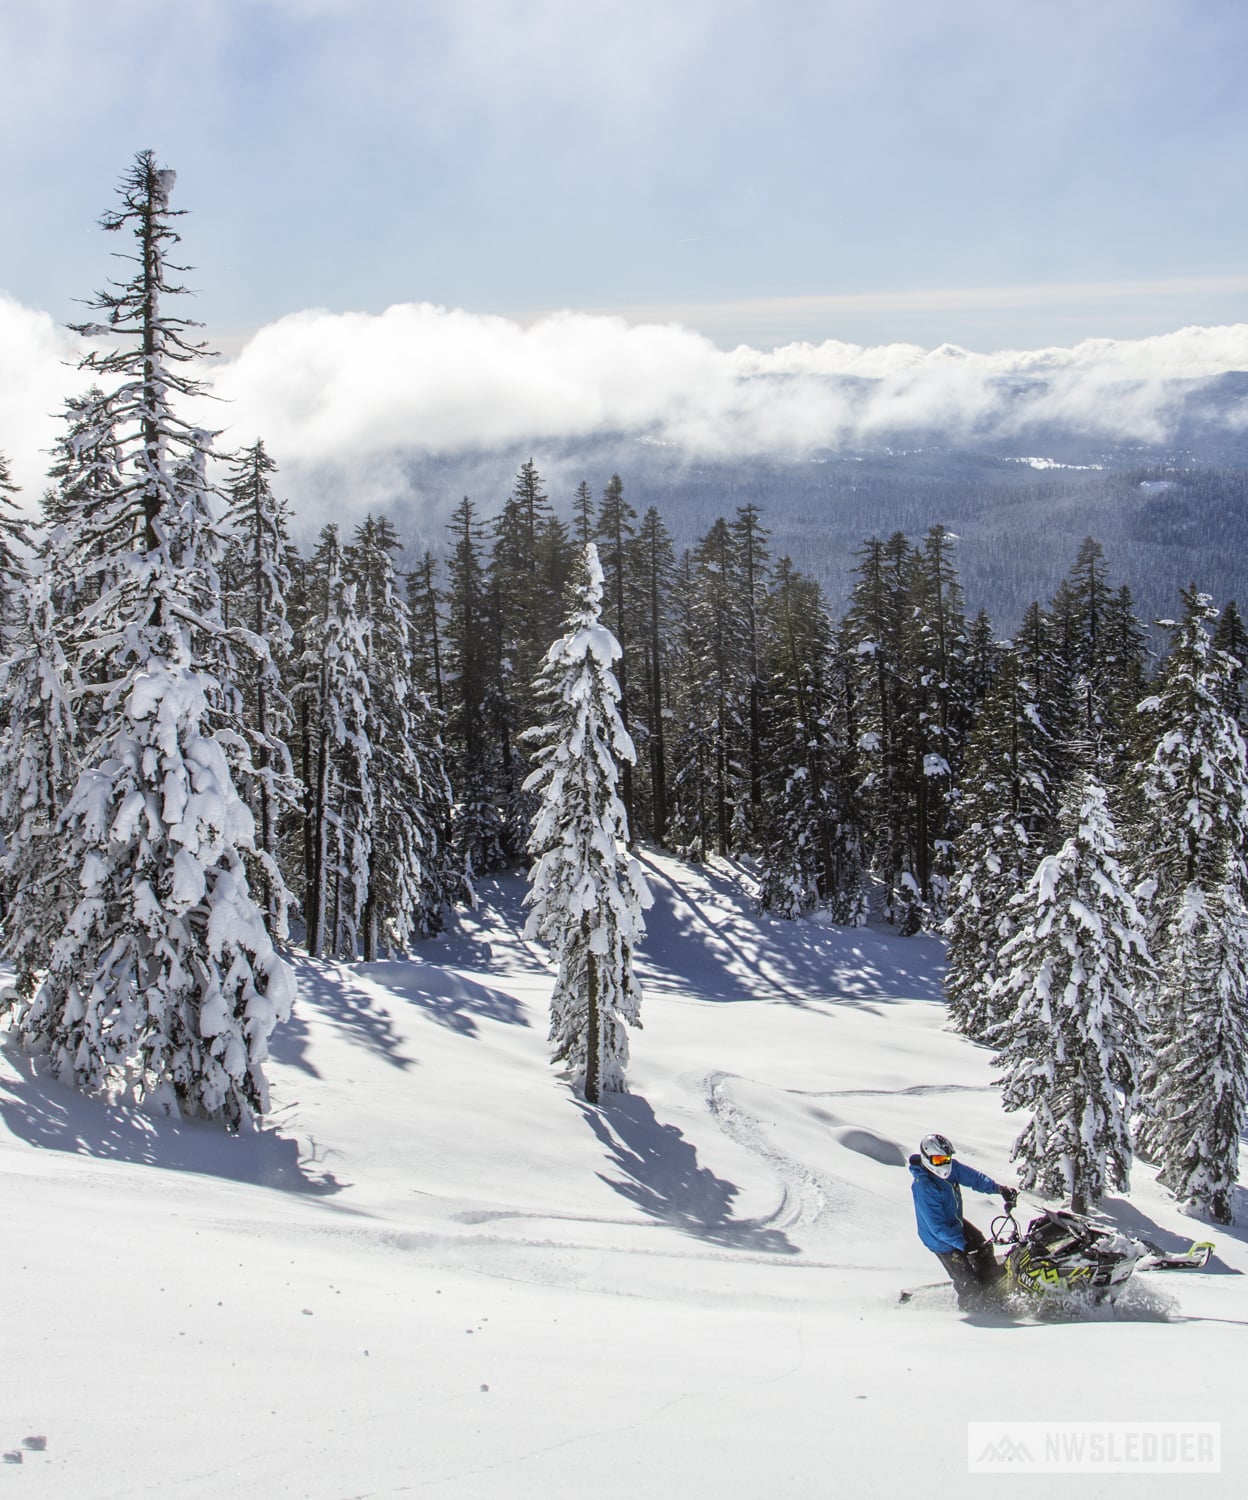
x=586, y=892
x=1099, y=644
x=409, y=879
x=934, y=641
x=810, y=854
x=426, y=631
x=472, y=746
x=583, y=515
x=1194, y=843
x=164, y=975
x=333, y=698
x=1231, y=636
x=14, y=541
x=1124, y=658
x=851, y=901
x=1043, y=662
x=1200, y=1075
x=13, y=610
x=39, y=770
x=86, y=458
x=873, y=636
x=1070, y=982
x=617, y=527
x=1194, y=791
x=42, y=689
x=525, y=598
x=255, y=596
x=752, y=573
x=711, y=751
x=984, y=653
x=1008, y=812
x=655, y=571
x=1079, y=609
x=426, y=663
x=690, y=766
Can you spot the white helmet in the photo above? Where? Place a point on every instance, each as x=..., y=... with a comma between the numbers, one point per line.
x=937, y=1154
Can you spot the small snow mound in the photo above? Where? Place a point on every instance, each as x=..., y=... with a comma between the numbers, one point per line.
x=867, y=1143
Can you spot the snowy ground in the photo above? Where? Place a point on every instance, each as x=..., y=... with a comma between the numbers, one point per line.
x=437, y=1274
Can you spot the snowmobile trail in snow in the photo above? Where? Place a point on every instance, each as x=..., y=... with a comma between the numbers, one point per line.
x=919, y=1091
x=806, y=1196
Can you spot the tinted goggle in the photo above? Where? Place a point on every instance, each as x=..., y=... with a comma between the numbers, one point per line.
x=940, y=1161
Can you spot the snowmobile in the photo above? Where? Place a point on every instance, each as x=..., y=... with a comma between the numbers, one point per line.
x=1065, y=1262
x=1065, y=1258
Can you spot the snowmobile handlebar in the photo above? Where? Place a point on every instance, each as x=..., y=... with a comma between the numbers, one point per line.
x=1004, y=1228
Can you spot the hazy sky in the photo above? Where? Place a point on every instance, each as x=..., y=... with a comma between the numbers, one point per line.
x=495, y=225
x=980, y=171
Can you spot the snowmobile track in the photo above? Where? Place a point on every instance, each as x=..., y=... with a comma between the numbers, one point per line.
x=806, y=1196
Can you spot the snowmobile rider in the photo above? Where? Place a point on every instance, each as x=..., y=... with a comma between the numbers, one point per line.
x=960, y=1247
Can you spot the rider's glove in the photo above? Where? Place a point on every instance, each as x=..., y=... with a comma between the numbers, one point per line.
x=1010, y=1196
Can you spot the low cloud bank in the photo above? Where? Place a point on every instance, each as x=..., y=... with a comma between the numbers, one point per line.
x=324, y=385
x=347, y=391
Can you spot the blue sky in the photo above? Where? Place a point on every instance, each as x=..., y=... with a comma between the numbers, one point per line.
x=992, y=174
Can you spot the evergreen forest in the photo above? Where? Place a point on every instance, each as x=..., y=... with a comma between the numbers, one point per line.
x=218, y=747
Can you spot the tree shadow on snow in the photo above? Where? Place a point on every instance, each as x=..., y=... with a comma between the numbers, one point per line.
x=1133, y=1222
x=289, y=1044
x=328, y=988
x=489, y=937
x=348, y=998
x=798, y=963
x=54, y=1117
x=450, y=999
x=661, y=1176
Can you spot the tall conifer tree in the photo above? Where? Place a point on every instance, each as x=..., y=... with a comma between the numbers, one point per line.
x=256, y=602
x=655, y=575
x=409, y=882
x=586, y=892
x=874, y=637
x=164, y=972
x=339, y=807
x=1008, y=812
x=474, y=761
x=810, y=849
x=525, y=611
x=1194, y=842
x=1071, y=1034
x=617, y=526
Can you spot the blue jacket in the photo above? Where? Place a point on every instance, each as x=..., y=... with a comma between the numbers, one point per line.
x=938, y=1203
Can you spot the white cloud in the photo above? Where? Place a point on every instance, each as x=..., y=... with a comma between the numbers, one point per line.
x=1189, y=353
x=37, y=360
x=341, y=394
x=326, y=385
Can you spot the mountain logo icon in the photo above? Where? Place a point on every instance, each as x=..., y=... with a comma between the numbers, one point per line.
x=1007, y=1451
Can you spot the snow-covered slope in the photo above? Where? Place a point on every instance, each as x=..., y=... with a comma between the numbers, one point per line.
x=436, y=1273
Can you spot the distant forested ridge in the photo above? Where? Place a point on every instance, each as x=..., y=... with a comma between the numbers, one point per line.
x=1161, y=513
